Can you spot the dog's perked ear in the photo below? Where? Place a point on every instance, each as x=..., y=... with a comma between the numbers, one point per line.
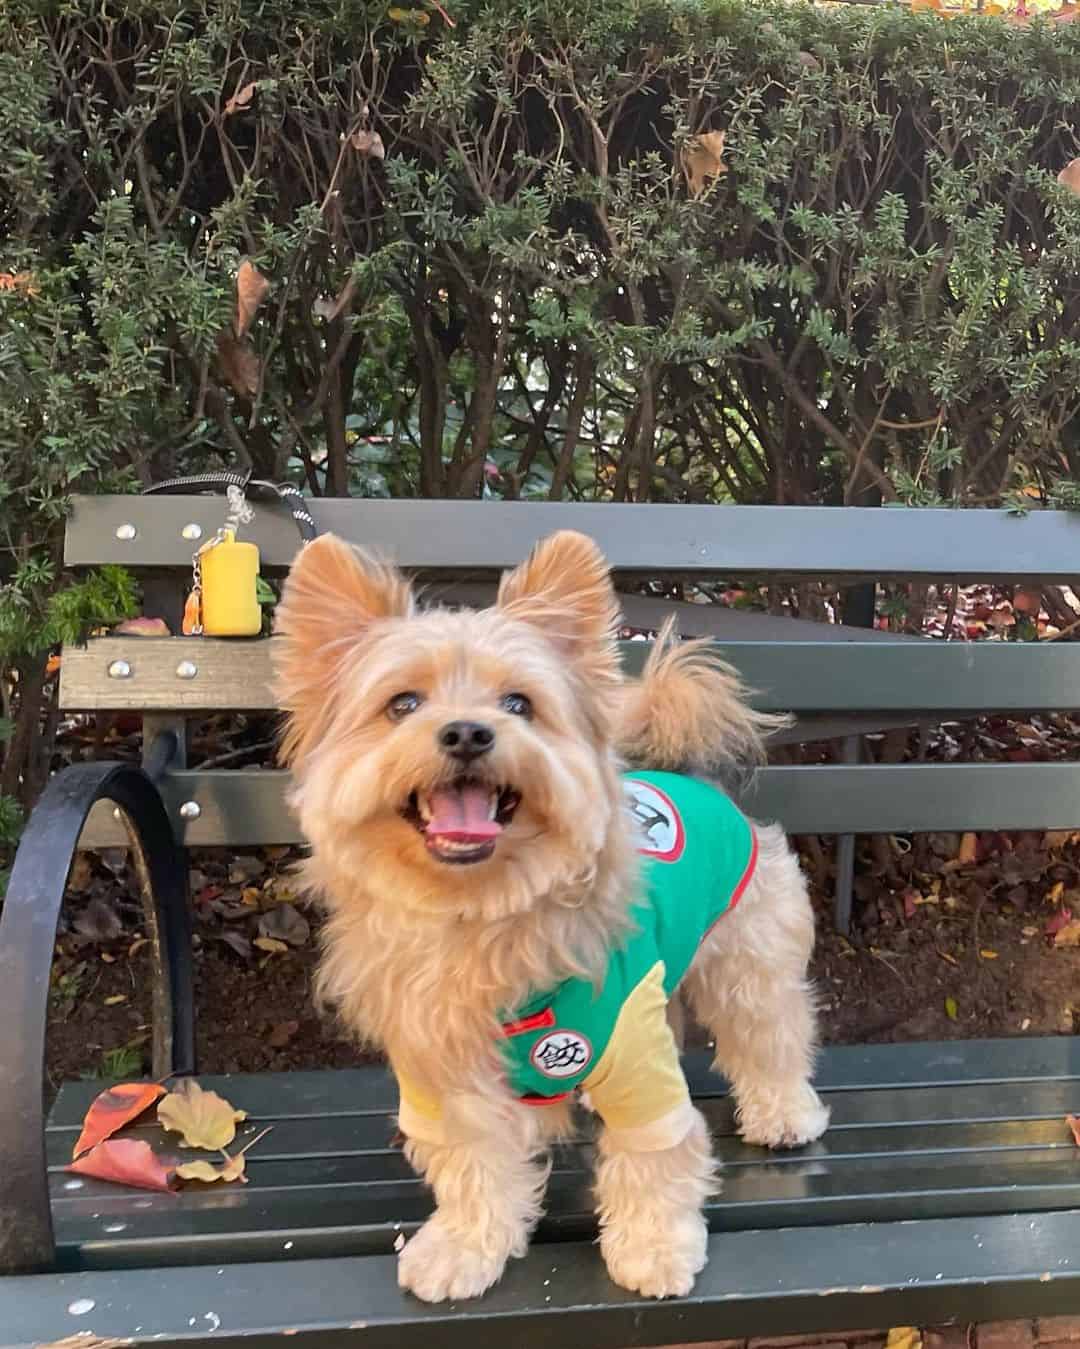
x=333, y=597
x=564, y=588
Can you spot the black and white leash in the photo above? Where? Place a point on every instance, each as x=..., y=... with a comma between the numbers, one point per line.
x=255, y=488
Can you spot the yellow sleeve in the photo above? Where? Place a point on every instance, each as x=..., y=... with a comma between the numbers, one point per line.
x=420, y=1113
x=637, y=1086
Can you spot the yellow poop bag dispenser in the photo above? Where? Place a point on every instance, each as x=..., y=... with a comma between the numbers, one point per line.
x=224, y=599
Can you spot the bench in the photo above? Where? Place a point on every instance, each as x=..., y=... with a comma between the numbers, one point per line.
x=947, y=1186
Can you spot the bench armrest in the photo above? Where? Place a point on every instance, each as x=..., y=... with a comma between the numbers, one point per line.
x=27, y=937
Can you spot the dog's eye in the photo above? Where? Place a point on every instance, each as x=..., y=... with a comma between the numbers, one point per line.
x=402, y=705
x=517, y=705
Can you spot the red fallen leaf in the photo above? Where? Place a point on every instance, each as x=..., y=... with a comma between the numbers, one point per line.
x=910, y=908
x=114, y=1108
x=143, y=627
x=126, y=1162
x=1074, y=1125
x=1057, y=921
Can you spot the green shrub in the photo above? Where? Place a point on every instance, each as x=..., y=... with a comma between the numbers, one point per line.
x=488, y=274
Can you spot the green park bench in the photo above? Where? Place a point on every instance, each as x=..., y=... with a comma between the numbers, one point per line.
x=947, y=1186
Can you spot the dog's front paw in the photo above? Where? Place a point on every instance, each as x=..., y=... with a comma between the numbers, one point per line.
x=784, y=1123
x=437, y=1266
x=656, y=1259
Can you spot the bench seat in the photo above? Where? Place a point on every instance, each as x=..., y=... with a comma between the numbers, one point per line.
x=957, y=1150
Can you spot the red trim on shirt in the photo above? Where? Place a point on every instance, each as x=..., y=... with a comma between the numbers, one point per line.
x=748, y=874
x=537, y=1021
x=740, y=889
x=532, y=1099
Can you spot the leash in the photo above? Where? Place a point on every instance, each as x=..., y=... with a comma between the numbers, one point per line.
x=256, y=488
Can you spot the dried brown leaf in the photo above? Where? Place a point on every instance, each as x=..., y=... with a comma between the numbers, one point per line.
x=703, y=159
x=1070, y=176
x=1069, y=935
x=202, y=1118
x=209, y=1172
x=143, y=627
x=110, y=1110
x=285, y=923
x=1074, y=1125
x=240, y=99
x=240, y=367
x=969, y=847
x=251, y=289
x=368, y=143
x=126, y=1162
x=98, y=922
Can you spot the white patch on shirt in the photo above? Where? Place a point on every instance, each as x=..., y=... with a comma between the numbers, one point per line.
x=656, y=821
x=561, y=1053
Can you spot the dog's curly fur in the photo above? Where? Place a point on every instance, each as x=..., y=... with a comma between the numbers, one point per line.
x=421, y=956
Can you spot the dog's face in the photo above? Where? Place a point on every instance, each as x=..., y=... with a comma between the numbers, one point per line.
x=465, y=755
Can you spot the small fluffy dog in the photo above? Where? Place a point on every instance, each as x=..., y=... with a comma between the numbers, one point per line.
x=492, y=922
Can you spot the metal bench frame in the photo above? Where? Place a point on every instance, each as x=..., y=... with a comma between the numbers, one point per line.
x=837, y=682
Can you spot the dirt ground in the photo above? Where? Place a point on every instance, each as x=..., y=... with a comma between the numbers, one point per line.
x=954, y=938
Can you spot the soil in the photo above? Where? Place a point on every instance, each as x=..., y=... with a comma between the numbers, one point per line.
x=953, y=938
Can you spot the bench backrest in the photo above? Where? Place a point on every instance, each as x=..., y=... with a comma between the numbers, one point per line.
x=826, y=675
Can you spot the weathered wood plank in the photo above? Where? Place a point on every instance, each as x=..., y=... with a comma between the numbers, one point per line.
x=247, y=808
x=946, y=1063
x=755, y=1283
x=199, y=674
x=845, y=542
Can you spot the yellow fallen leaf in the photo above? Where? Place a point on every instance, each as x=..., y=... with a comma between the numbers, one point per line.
x=1056, y=891
x=1069, y=935
x=951, y=1009
x=987, y=954
x=202, y=1118
x=904, y=1337
x=969, y=845
x=208, y=1172
x=116, y=999
x=271, y=944
x=951, y=959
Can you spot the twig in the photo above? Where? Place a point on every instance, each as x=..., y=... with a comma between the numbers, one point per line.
x=219, y=760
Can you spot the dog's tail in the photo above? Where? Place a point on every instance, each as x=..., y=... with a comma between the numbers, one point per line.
x=688, y=712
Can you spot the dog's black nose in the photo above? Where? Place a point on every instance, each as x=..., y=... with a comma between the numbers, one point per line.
x=466, y=740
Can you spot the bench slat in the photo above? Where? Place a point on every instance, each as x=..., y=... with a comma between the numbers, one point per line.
x=248, y=808
x=333, y=1215
x=886, y=1108
x=349, y=1092
x=480, y=536
x=802, y=676
x=982, y=1137
x=366, y=1141
x=756, y=1283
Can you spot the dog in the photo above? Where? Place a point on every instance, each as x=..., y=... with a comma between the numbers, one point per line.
x=460, y=778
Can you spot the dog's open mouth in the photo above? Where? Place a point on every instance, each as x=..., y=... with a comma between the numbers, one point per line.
x=462, y=821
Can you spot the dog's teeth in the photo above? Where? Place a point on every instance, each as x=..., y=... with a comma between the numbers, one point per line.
x=424, y=806
x=493, y=805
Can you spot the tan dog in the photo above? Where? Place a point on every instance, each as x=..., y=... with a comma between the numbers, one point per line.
x=457, y=774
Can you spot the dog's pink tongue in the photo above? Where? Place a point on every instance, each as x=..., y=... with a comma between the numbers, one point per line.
x=461, y=815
